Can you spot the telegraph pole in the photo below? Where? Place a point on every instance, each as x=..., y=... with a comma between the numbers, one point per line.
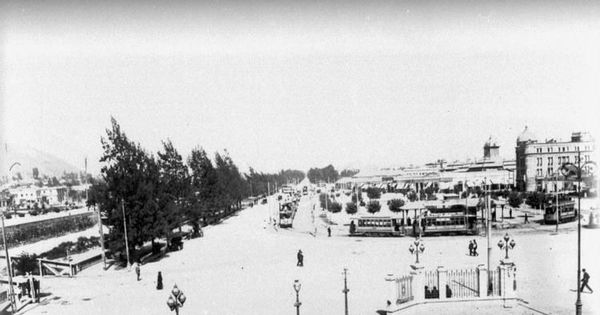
x=126, y=239
x=11, y=294
x=345, y=292
x=489, y=231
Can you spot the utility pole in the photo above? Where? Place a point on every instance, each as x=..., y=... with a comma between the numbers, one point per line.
x=346, y=290
x=126, y=239
x=489, y=230
x=11, y=292
x=556, y=210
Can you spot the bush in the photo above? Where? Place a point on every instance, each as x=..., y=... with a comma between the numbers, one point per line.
x=362, y=203
x=395, y=205
x=373, y=206
x=354, y=197
x=536, y=199
x=373, y=193
x=335, y=207
x=351, y=208
x=337, y=194
x=34, y=212
x=26, y=263
x=515, y=199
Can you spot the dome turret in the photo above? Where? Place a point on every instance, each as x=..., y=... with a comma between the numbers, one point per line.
x=526, y=136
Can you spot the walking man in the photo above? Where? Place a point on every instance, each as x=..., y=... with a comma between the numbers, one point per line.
x=526, y=218
x=137, y=270
x=470, y=248
x=584, y=282
x=300, y=257
x=328, y=231
x=475, y=248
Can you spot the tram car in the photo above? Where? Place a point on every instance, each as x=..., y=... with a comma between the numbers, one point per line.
x=376, y=226
x=449, y=219
x=566, y=210
x=287, y=211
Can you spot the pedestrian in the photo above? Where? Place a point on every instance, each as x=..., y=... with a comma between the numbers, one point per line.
x=470, y=248
x=300, y=257
x=328, y=231
x=137, y=270
x=526, y=218
x=584, y=281
x=510, y=212
x=475, y=248
x=159, y=284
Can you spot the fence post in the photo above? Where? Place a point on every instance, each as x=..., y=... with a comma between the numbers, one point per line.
x=418, y=287
x=507, y=274
x=482, y=275
x=40, y=264
x=393, y=288
x=442, y=281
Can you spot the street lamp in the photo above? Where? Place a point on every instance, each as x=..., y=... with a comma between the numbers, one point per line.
x=418, y=247
x=505, y=244
x=297, y=286
x=568, y=169
x=176, y=299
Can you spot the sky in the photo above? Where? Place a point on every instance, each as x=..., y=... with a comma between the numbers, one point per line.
x=298, y=84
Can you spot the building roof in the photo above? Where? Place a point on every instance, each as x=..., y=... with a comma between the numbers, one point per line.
x=526, y=135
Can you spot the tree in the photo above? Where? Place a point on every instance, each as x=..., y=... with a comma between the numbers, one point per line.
x=53, y=182
x=514, y=199
x=204, y=183
x=536, y=199
x=324, y=201
x=359, y=197
x=131, y=178
x=373, y=206
x=173, y=190
x=326, y=174
x=26, y=263
x=36, y=173
x=373, y=193
x=351, y=208
x=395, y=205
x=348, y=173
x=335, y=207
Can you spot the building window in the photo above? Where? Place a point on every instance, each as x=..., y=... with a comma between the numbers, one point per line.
x=549, y=160
x=539, y=172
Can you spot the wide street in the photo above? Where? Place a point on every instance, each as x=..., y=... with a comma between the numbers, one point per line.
x=244, y=266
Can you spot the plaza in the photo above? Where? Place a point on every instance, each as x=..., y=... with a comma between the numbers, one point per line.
x=245, y=266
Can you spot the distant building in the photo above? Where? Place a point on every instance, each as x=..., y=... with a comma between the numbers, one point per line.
x=538, y=162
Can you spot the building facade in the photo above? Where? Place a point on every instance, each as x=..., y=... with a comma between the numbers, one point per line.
x=540, y=162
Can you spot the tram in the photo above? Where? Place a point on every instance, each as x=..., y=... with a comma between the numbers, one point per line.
x=287, y=212
x=376, y=226
x=449, y=219
x=566, y=210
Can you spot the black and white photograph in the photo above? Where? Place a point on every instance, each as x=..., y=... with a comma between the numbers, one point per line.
x=299, y=157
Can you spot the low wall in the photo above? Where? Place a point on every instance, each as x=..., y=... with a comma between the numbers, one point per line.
x=30, y=232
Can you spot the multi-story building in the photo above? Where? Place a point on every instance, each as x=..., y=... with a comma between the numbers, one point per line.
x=539, y=162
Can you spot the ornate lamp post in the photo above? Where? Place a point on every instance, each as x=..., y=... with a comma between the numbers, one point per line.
x=297, y=286
x=569, y=169
x=176, y=299
x=418, y=247
x=506, y=245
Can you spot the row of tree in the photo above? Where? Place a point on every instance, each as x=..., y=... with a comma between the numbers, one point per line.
x=153, y=194
x=327, y=174
x=262, y=183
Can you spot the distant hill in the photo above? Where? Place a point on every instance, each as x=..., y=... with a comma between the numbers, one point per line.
x=29, y=158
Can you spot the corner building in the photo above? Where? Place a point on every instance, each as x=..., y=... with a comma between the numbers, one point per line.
x=537, y=163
